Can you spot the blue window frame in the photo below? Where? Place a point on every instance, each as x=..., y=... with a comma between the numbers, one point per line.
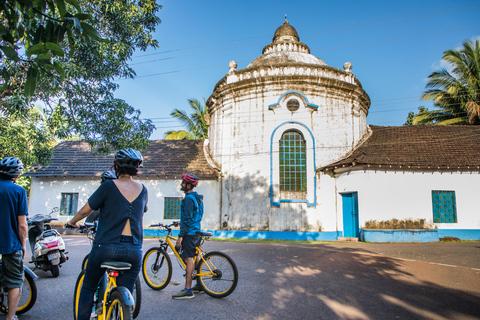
x=171, y=208
x=69, y=204
x=293, y=163
x=444, y=206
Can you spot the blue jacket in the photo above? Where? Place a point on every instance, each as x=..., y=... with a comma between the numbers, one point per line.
x=191, y=213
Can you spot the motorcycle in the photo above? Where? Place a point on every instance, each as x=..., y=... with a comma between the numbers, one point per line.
x=47, y=245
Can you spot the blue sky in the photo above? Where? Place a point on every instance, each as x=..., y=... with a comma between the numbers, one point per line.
x=392, y=45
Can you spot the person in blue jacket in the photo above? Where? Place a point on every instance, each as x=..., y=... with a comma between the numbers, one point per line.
x=13, y=230
x=191, y=212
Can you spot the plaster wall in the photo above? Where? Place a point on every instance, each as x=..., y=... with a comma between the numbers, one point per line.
x=46, y=194
x=385, y=195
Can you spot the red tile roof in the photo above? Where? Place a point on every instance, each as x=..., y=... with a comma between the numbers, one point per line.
x=166, y=159
x=422, y=146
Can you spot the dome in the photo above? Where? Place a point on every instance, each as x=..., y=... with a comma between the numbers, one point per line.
x=285, y=31
x=286, y=48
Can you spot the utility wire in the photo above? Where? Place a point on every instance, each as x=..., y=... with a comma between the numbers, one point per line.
x=320, y=27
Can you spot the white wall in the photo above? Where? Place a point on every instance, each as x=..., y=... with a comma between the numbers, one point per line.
x=384, y=195
x=46, y=193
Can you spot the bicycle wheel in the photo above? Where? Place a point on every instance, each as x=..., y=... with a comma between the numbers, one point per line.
x=76, y=294
x=137, y=295
x=157, y=268
x=220, y=274
x=118, y=309
x=84, y=262
x=27, y=299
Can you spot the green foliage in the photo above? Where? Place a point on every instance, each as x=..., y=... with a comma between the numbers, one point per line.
x=65, y=56
x=31, y=34
x=196, y=124
x=412, y=116
x=456, y=94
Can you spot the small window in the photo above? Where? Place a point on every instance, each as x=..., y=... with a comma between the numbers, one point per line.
x=172, y=208
x=69, y=204
x=293, y=165
x=293, y=105
x=444, y=206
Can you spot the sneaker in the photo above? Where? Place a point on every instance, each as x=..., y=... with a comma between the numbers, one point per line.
x=197, y=289
x=184, y=294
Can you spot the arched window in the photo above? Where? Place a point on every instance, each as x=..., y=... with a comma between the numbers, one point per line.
x=293, y=164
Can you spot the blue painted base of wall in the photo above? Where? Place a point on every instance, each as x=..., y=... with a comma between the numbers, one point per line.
x=462, y=234
x=264, y=235
x=395, y=235
x=389, y=235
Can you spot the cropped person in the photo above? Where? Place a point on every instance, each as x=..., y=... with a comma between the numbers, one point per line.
x=13, y=231
x=191, y=212
x=119, y=236
x=105, y=176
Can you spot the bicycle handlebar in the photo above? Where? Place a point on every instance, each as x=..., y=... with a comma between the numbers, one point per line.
x=169, y=226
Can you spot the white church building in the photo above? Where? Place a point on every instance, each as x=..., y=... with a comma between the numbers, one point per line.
x=290, y=156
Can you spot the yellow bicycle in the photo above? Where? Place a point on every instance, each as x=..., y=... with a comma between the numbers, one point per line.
x=111, y=302
x=217, y=272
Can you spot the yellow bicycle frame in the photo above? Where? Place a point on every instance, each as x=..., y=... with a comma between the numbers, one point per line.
x=198, y=253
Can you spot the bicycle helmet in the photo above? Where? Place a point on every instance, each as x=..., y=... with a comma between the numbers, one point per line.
x=128, y=158
x=108, y=175
x=190, y=178
x=11, y=166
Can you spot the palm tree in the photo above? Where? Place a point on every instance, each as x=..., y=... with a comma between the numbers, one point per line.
x=457, y=94
x=196, y=125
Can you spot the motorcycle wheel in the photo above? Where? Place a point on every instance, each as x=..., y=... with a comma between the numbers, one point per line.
x=55, y=270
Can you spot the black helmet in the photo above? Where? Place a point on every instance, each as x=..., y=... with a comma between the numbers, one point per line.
x=108, y=175
x=11, y=166
x=128, y=158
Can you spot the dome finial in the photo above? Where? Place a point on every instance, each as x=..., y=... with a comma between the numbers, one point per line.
x=286, y=21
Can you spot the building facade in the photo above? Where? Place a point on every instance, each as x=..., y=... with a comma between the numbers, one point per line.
x=290, y=155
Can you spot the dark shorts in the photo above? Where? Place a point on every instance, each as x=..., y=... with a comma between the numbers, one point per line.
x=189, y=243
x=12, y=270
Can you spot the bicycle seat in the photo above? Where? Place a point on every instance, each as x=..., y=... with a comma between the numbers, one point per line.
x=116, y=265
x=203, y=234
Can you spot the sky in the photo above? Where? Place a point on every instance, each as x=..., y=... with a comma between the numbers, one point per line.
x=392, y=45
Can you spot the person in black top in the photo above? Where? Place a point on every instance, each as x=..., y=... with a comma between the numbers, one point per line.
x=119, y=236
x=105, y=176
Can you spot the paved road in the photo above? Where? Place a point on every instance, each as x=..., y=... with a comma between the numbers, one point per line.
x=306, y=281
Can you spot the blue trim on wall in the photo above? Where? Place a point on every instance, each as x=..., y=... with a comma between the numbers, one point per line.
x=397, y=235
x=462, y=234
x=277, y=204
x=288, y=92
x=263, y=235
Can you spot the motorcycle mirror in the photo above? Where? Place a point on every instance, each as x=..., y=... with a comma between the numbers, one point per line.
x=55, y=209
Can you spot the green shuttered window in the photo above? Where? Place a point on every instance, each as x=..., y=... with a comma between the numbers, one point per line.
x=293, y=166
x=444, y=206
x=69, y=204
x=172, y=208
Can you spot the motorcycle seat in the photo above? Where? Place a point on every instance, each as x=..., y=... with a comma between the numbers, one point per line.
x=116, y=265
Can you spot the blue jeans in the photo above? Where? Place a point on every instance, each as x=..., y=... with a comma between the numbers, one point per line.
x=125, y=251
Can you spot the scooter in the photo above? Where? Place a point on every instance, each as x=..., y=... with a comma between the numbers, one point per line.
x=47, y=245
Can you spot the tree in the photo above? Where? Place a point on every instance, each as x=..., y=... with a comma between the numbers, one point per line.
x=456, y=94
x=411, y=116
x=196, y=125
x=73, y=74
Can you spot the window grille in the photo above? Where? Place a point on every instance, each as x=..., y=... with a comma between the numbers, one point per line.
x=172, y=208
x=293, y=167
x=444, y=206
x=69, y=204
